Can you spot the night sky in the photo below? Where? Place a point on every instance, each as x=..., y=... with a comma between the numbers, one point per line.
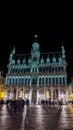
x=19, y=22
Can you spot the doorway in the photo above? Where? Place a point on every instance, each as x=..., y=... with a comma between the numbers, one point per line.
x=34, y=95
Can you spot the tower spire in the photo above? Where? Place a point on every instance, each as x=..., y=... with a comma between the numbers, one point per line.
x=63, y=52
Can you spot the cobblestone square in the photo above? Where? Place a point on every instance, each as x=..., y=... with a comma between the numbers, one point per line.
x=37, y=118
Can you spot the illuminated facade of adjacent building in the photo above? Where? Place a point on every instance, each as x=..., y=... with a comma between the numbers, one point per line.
x=37, y=75
x=70, y=89
x=2, y=87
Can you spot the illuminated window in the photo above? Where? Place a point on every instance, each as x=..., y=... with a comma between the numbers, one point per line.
x=43, y=80
x=40, y=80
x=8, y=81
x=16, y=81
x=63, y=80
x=53, y=80
x=46, y=80
x=28, y=81
x=49, y=80
x=56, y=80
x=25, y=81
x=60, y=80
x=22, y=80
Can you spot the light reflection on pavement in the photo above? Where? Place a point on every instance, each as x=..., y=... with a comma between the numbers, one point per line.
x=38, y=118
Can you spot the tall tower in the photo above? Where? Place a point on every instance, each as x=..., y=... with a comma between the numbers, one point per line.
x=35, y=53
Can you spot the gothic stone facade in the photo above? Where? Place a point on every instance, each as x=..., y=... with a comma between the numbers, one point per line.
x=37, y=75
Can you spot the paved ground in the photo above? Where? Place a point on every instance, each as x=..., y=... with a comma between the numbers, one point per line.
x=38, y=118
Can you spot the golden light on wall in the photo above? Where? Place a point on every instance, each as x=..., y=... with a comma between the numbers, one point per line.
x=20, y=94
x=2, y=92
x=48, y=94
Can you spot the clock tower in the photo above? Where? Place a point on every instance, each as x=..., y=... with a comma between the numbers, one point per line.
x=35, y=53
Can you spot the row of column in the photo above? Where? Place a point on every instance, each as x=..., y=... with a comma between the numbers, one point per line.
x=37, y=94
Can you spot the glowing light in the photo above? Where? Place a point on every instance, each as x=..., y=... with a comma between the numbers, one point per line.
x=5, y=96
x=20, y=94
x=26, y=96
x=2, y=92
x=35, y=35
x=62, y=95
x=48, y=94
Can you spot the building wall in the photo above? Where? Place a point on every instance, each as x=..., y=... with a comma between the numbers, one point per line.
x=2, y=87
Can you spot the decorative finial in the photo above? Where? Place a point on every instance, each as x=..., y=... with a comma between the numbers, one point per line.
x=35, y=35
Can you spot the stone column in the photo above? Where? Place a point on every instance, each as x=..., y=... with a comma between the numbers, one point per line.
x=6, y=95
x=37, y=96
x=44, y=93
x=23, y=93
x=59, y=94
x=66, y=98
x=51, y=94
x=17, y=93
x=37, y=81
x=10, y=93
x=30, y=96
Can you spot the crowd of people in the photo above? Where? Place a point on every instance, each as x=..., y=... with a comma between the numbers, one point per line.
x=49, y=103
x=16, y=104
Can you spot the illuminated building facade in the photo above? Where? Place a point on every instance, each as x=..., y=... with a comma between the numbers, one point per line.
x=37, y=75
x=70, y=89
x=2, y=86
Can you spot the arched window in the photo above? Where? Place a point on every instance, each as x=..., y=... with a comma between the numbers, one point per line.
x=63, y=80
x=35, y=70
x=60, y=80
x=8, y=80
x=43, y=80
x=25, y=81
x=56, y=80
x=53, y=80
x=49, y=80
x=16, y=81
x=13, y=81
x=28, y=81
x=46, y=80
x=40, y=80
x=22, y=80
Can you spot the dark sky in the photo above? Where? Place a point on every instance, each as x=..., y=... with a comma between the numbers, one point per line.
x=52, y=22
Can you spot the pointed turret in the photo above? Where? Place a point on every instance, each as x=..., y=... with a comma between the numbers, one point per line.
x=63, y=52
x=14, y=49
x=54, y=59
x=59, y=59
x=48, y=59
x=11, y=55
